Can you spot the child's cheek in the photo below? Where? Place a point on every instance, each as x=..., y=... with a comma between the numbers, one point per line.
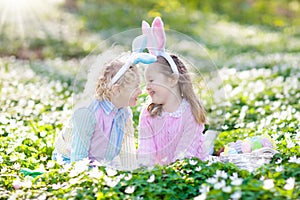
x=132, y=102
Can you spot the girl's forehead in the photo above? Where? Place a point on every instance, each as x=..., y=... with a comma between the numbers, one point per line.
x=153, y=68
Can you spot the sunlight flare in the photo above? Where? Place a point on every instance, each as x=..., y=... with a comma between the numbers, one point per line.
x=20, y=18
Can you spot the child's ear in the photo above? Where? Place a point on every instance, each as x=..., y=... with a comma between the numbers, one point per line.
x=174, y=80
x=115, y=89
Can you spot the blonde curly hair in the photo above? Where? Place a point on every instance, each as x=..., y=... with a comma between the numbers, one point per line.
x=103, y=88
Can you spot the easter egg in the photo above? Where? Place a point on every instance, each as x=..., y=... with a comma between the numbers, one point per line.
x=256, y=145
x=246, y=147
x=266, y=142
x=226, y=149
x=238, y=146
x=254, y=138
x=232, y=151
x=231, y=144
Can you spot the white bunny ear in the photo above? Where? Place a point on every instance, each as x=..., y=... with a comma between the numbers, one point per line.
x=151, y=43
x=145, y=26
x=139, y=44
x=159, y=33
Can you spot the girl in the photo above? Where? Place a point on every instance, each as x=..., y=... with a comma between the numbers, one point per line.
x=171, y=126
x=103, y=131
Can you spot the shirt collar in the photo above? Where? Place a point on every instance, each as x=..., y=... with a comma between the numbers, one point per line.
x=108, y=106
x=180, y=110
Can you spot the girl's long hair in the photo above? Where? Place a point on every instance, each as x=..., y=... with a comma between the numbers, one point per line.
x=185, y=87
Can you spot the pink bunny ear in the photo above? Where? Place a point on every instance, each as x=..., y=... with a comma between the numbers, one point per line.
x=159, y=33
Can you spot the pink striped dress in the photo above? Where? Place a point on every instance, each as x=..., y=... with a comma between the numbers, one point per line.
x=171, y=136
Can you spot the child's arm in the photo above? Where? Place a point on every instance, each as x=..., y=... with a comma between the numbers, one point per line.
x=83, y=128
x=191, y=141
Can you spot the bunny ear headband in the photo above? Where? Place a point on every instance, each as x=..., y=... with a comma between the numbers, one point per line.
x=156, y=41
x=138, y=45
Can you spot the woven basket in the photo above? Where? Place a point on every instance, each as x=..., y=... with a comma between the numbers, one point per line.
x=250, y=161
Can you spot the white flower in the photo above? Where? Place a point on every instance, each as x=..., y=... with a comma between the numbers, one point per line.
x=43, y=133
x=13, y=196
x=234, y=176
x=73, y=181
x=198, y=169
x=3, y=170
x=227, y=189
x=59, y=159
x=73, y=173
x=200, y=197
x=41, y=167
x=120, y=176
x=97, y=163
x=129, y=189
x=235, y=180
x=151, y=178
x=225, y=127
x=50, y=164
x=212, y=180
x=279, y=168
x=204, y=189
x=56, y=186
x=42, y=197
x=17, y=184
x=82, y=165
x=128, y=177
x=66, y=167
x=111, y=171
x=13, y=158
x=110, y=182
x=17, y=166
x=268, y=184
x=211, y=160
x=290, y=143
x=290, y=183
x=27, y=182
x=236, y=195
x=95, y=173
x=220, y=185
x=278, y=161
x=294, y=159
x=222, y=174
x=42, y=158
x=193, y=162
x=1, y=159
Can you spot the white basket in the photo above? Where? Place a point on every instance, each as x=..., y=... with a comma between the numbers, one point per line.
x=250, y=161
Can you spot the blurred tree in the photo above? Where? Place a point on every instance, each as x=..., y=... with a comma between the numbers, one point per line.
x=71, y=4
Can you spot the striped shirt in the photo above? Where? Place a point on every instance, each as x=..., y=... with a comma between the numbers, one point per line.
x=87, y=135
